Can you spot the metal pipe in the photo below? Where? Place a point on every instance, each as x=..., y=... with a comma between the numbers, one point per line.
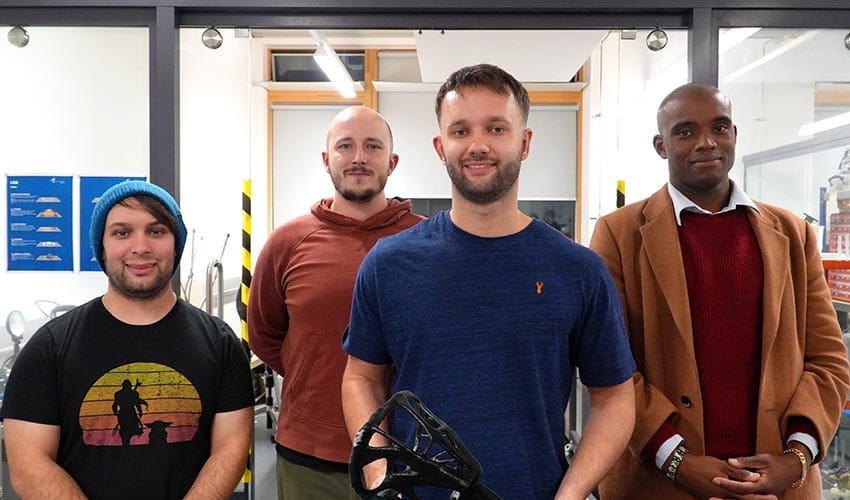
x=215, y=265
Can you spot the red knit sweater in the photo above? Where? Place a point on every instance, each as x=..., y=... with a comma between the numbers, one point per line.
x=723, y=269
x=724, y=273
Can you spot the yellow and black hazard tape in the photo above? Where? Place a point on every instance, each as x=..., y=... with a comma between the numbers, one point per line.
x=245, y=286
x=621, y=193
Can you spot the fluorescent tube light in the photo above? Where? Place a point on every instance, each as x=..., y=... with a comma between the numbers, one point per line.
x=329, y=61
x=825, y=124
x=785, y=47
x=733, y=36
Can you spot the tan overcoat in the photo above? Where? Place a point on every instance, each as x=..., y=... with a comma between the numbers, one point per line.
x=804, y=363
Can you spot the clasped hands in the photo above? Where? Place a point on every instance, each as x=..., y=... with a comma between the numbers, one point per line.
x=758, y=477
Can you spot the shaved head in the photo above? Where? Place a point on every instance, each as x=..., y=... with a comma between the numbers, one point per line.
x=687, y=91
x=359, y=155
x=357, y=113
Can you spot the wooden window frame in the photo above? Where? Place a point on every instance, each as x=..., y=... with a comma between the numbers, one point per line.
x=369, y=97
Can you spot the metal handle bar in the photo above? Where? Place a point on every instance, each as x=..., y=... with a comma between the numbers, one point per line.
x=215, y=265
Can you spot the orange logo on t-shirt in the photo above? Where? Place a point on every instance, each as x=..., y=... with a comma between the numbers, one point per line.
x=539, y=287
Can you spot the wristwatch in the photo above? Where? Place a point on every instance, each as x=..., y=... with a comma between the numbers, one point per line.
x=678, y=455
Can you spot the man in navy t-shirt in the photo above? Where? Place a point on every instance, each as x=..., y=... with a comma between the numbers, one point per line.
x=485, y=314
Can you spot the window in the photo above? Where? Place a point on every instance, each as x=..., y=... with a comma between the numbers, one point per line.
x=301, y=67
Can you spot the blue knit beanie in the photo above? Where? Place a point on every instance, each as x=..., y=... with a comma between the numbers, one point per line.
x=127, y=189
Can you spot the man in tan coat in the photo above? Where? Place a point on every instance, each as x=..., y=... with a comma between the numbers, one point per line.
x=742, y=372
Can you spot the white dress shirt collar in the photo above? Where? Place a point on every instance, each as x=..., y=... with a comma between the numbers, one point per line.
x=682, y=202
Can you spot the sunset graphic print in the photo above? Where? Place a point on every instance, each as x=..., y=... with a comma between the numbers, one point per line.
x=140, y=404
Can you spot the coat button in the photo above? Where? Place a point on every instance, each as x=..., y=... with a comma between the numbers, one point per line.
x=686, y=402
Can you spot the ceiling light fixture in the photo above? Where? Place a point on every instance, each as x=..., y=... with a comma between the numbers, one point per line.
x=778, y=51
x=734, y=36
x=327, y=59
x=826, y=124
x=212, y=38
x=18, y=37
x=656, y=40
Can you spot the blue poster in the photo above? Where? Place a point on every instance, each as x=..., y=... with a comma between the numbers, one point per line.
x=90, y=190
x=40, y=226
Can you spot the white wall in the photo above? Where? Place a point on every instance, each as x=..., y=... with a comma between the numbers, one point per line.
x=259, y=127
x=627, y=82
x=215, y=153
x=74, y=102
x=299, y=177
x=80, y=101
x=419, y=174
x=549, y=173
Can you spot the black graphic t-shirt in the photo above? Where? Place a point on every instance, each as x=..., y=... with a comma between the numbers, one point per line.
x=135, y=403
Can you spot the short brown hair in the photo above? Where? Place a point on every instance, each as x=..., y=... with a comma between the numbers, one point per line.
x=489, y=77
x=157, y=209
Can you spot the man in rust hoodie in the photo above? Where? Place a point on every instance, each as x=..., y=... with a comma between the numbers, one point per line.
x=301, y=300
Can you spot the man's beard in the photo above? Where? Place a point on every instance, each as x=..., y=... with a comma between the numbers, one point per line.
x=138, y=291
x=504, y=179
x=363, y=195
x=358, y=196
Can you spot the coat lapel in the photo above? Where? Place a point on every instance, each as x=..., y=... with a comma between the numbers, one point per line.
x=661, y=242
x=774, y=254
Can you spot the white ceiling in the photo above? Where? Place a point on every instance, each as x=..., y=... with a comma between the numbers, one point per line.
x=531, y=56
x=806, y=56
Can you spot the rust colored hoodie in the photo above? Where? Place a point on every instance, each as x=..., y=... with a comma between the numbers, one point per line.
x=298, y=308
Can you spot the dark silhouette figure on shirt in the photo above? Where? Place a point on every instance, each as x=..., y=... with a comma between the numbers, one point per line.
x=127, y=406
x=159, y=434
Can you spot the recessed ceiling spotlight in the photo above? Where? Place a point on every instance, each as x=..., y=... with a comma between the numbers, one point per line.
x=212, y=38
x=656, y=40
x=18, y=37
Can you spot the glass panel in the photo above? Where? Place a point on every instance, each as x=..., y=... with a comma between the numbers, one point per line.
x=301, y=67
x=783, y=82
x=215, y=157
x=75, y=106
x=790, y=91
x=627, y=83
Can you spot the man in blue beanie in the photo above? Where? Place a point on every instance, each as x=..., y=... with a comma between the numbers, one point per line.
x=135, y=394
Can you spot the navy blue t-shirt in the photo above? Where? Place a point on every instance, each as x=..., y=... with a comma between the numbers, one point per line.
x=487, y=332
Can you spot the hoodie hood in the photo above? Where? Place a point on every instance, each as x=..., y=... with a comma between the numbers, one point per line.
x=395, y=211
